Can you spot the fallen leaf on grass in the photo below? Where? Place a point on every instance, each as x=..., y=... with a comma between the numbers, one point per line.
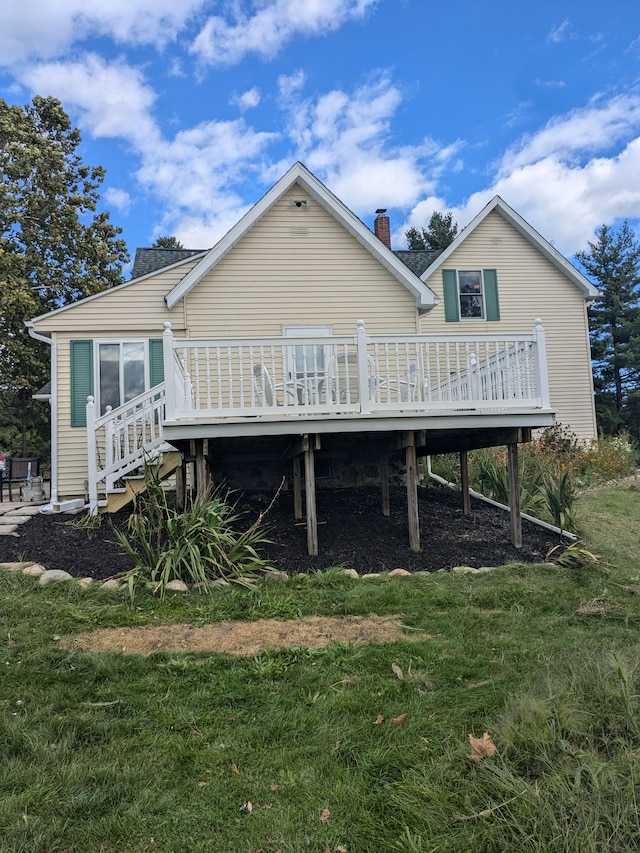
x=247, y=807
x=324, y=817
x=397, y=671
x=481, y=747
x=234, y=768
x=273, y=787
x=378, y=720
x=477, y=684
x=400, y=720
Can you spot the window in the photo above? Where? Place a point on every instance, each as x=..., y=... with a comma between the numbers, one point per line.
x=470, y=295
x=113, y=372
x=122, y=372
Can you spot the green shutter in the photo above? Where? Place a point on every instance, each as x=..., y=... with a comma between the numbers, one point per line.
x=451, y=304
x=81, y=380
x=491, y=294
x=156, y=361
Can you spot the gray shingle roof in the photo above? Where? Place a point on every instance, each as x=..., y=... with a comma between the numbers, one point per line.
x=418, y=260
x=150, y=260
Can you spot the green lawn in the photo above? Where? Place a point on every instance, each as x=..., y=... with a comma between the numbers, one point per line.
x=164, y=753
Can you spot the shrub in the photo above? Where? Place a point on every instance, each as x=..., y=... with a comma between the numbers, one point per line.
x=197, y=545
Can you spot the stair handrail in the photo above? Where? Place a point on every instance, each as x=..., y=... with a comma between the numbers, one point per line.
x=132, y=434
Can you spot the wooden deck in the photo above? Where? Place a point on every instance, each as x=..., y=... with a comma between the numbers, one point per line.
x=414, y=394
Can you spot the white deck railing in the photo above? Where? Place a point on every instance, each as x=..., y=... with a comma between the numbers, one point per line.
x=123, y=439
x=353, y=374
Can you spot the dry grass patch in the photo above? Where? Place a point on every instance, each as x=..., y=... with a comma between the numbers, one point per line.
x=244, y=638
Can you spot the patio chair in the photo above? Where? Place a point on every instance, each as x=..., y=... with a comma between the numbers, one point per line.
x=20, y=470
x=342, y=372
x=266, y=391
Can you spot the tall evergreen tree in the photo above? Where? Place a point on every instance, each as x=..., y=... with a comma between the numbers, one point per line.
x=613, y=263
x=55, y=247
x=440, y=232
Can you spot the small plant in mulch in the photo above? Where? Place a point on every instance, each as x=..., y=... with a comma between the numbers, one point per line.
x=197, y=545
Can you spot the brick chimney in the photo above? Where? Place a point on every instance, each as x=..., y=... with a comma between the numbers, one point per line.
x=381, y=227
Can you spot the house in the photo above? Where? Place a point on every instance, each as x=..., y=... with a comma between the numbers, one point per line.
x=301, y=345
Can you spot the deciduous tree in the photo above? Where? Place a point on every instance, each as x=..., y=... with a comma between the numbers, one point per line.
x=55, y=246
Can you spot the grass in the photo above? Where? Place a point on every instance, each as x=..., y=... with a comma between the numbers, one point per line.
x=113, y=753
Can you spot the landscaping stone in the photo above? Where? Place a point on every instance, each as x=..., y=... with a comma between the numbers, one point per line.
x=112, y=583
x=7, y=529
x=84, y=583
x=463, y=570
x=176, y=586
x=399, y=573
x=276, y=576
x=34, y=570
x=370, y=575
x=350, y=573
x=219, y=582
x=54, y=575
x=14, y=567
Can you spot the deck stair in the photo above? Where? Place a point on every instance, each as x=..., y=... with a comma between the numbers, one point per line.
x=134, y=484
x=121, y=443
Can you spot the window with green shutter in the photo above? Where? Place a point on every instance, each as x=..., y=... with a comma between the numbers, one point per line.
x=81, y=380
x=156, y=362
x=470, y=295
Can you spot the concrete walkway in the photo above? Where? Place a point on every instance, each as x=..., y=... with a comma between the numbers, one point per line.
x=14, y=513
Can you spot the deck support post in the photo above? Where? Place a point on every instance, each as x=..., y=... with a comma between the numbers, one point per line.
x=514, y=496
x=181, y=484
x=297, y=489
x=464, y=482
x=412, y=494
x=310, y=495
x=384, y=485
x=200, y=468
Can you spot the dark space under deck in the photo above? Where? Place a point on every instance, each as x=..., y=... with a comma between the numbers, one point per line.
x=310, y=461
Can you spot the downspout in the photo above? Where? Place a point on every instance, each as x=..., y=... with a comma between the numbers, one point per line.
x=53, y=405
x=487, y=500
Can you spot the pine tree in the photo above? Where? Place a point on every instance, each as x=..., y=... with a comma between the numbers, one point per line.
x=440, y=232
x=613, y=263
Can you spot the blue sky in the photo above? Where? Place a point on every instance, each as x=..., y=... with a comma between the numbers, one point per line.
x=196, y=107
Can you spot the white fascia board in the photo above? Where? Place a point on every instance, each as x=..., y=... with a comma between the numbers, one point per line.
x=298, y=173
x=101, y=293
x=589, y=291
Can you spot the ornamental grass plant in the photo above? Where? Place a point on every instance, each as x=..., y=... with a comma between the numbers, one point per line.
x=204, y=542
x=554, y=469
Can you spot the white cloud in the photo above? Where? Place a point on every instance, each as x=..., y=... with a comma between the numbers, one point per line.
x=44, y=29
x=345, y=137
x=113, y=99
x=118, y=199
x=565, y=180
x=247, y=100
x=270, y=25
x=197, y=176
x=559, y=33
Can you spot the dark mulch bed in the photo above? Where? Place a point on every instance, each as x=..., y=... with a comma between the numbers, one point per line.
x=351, y=532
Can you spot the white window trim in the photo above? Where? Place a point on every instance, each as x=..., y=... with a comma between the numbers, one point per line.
x=97, y=342
x=483, y=315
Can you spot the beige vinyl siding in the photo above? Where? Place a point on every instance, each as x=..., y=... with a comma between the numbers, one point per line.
x=124, y=309
x=529, y=286
x=72, y=441
x=298, y=266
